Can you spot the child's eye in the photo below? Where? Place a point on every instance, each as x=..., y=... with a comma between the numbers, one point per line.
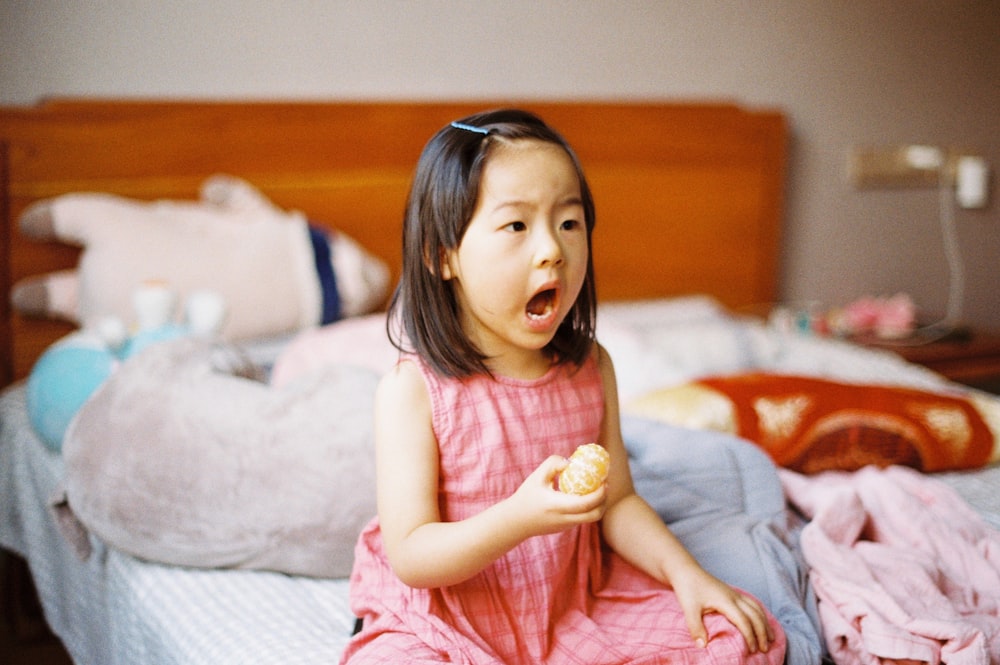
x=516, y=226
x=570, y=224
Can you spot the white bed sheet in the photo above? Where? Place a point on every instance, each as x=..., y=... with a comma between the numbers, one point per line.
x=660, y=343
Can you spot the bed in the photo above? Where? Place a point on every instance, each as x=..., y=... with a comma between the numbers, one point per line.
x=687, y=253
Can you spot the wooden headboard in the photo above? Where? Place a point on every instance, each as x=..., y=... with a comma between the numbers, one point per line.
x=689, y=195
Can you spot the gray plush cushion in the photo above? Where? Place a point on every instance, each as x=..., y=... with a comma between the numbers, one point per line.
x=179, y=459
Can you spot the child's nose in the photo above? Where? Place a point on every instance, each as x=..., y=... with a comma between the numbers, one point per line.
x=549, y=249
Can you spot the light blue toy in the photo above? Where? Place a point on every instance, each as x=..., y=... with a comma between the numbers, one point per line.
x=65, y=375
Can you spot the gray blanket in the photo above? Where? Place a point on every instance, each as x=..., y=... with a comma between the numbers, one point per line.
x=721, y=496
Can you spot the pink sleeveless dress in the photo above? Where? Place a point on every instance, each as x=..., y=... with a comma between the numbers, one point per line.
x=560, y=598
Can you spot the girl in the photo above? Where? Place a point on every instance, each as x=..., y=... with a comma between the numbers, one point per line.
x=475, y=557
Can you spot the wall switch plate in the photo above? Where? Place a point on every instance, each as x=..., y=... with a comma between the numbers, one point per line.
x=896, y=166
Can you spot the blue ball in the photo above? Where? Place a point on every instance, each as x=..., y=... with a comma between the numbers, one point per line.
x=65, y=375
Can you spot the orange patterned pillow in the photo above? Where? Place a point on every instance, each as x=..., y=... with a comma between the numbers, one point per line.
x=811, y=425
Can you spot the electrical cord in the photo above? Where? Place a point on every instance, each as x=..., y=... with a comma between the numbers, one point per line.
x=951, y=321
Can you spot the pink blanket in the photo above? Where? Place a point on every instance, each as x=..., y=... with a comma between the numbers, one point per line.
x=903, y=568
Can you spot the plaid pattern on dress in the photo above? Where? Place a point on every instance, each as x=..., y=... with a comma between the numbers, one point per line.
x=560, y=598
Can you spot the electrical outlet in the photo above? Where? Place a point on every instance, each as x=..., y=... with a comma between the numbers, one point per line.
x=896, y=166
x=972, y=181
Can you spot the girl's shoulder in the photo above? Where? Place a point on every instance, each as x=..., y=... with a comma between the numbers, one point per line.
x=604, y=366
x=600, y=356
x=403, y=384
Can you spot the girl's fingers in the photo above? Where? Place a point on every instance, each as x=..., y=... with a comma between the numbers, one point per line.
x=755, y=628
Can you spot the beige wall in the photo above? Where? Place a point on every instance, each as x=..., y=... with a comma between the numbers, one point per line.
x=873, y=71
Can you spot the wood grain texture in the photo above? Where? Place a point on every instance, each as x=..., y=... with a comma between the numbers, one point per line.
x=689, y=195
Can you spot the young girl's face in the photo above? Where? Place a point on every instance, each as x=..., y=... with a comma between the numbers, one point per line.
x=522, y=261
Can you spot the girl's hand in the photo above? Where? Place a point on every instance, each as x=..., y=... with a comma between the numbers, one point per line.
x=544, y=509
x=699, y=593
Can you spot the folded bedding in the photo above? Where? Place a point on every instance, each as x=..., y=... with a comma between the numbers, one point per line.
x=809, y=424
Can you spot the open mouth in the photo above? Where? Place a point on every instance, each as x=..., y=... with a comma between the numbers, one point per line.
x=542, y=304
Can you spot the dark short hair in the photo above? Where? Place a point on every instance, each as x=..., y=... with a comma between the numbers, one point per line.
x=423, y=313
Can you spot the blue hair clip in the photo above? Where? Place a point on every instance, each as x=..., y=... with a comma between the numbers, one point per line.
x=470, y=128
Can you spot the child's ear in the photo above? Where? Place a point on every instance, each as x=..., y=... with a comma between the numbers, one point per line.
x=446, y=271
x=443, y=267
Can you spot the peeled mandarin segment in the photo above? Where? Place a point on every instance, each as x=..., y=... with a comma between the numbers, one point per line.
x=587, y=469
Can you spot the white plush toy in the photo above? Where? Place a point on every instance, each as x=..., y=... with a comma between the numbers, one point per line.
x=275, y=272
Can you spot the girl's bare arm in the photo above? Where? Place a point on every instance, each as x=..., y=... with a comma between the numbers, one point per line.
x=423, y=550
x=634, y=530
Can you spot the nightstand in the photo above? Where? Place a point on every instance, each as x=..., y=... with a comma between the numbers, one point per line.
x=967, y=356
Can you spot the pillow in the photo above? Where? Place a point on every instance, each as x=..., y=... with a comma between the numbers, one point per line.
x=179, y=459
x=360, y=341
x=811, y=425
